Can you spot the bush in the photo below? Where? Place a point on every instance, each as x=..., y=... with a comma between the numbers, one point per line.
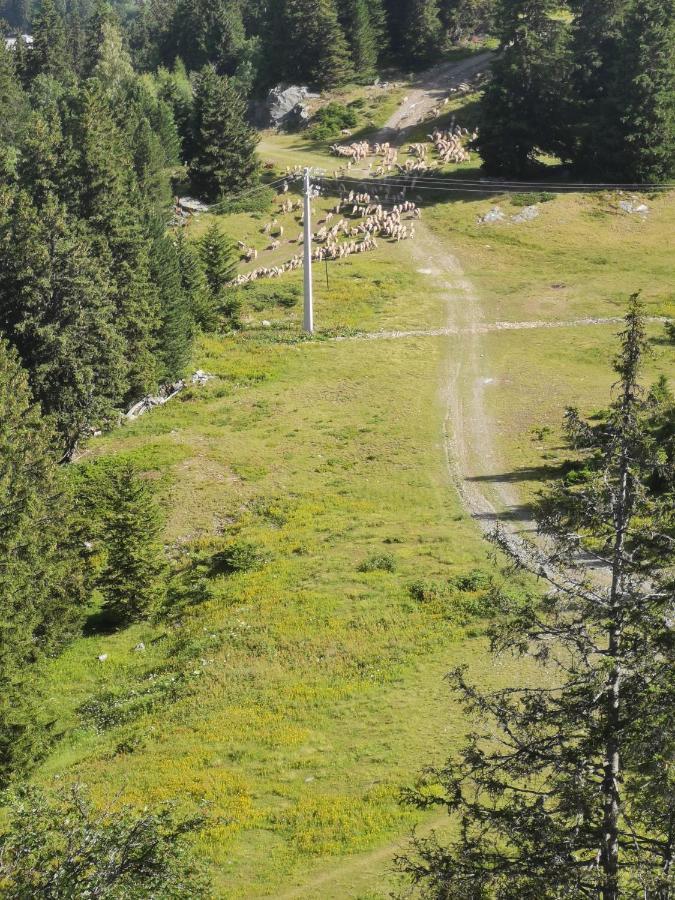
x=259, y=201
x=261, y=296
x=476, y=580
x=239, y=556
x=531, y=199
x=426, y=591
x=329, y=121
x=383, y=562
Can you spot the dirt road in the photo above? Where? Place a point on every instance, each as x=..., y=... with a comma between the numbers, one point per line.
x=429, y=91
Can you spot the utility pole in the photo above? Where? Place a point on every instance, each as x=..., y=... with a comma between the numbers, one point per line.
x=309, y=300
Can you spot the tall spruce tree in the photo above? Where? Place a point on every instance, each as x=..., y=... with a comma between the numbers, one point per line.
x=13, y=101
x=567, y=790
x=224, y=158
x=596, y=103
x=218, y=259
x=131, y=580
x=177, y=323
x=362, y=38
x=312, y=43
x=201, y=303
x=42, y=583
x=523, y=111
x=647, y=90
x=50, y=54
x=423, y=27
x=56, y=308
x=110, y=202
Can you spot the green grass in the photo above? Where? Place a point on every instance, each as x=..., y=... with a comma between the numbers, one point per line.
x=581, y=257
x=306, y=691
x=298, y=699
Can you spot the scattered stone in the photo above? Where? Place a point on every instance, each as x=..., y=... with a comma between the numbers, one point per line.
x=266, y=324
x=140, y=647
x=632, y=206
x=490, y=218
x=102, y=657
x=189, y=204
x=167, y=392
x=200, y=377
x=527, y=214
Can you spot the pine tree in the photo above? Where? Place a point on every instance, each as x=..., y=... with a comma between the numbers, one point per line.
x=595, y=134
x=150, y=165
x=131, y=580
x=224, y=143
x=523, y=111
x=175, y=89
x=311, y=44
x=423, y=28
x=647, y=92
x=57, y=310
x=218, y=259
x=361, y=36
x=567, y=791
x=202, y=32
x=13, y=102
x=42, y=583
x=197, y=292
x=49, y=54
x=110, y=202
x=177, y=324
x=100, y=18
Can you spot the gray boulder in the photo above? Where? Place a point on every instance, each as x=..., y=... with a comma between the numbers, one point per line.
x=286, y=107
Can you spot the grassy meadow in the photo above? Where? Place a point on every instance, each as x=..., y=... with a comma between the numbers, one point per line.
x=305, y=689
x=303, y=694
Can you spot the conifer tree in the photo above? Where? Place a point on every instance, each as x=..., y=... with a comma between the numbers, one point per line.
x=361, y=35
x=101, y=17
x=567, y=791
x=224, y=158
x=56, y=308
x=13, y=102
x=175, y=88
x=197, y=292
x=131, y=579
x=176, y=328
x=110, y=202
x=596, y=119
x=311, y=43
x=423, y=28
x=49, y=54
x=218, y=259
x=523, y=109
x=646, y=61
x=42, y=583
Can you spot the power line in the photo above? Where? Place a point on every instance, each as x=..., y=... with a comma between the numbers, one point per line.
x=234, y=197
x=445, y=187
x=449, y=179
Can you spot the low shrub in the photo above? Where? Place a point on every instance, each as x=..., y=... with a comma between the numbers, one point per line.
x=239, y=556
x=427, y=591
x=329, y=121
x=532, y=198
x=258, y=201
x=476, y=580
x=379, y=562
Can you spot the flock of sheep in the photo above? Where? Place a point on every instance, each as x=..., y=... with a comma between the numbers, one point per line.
x=352, y=226
x=450, y=146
